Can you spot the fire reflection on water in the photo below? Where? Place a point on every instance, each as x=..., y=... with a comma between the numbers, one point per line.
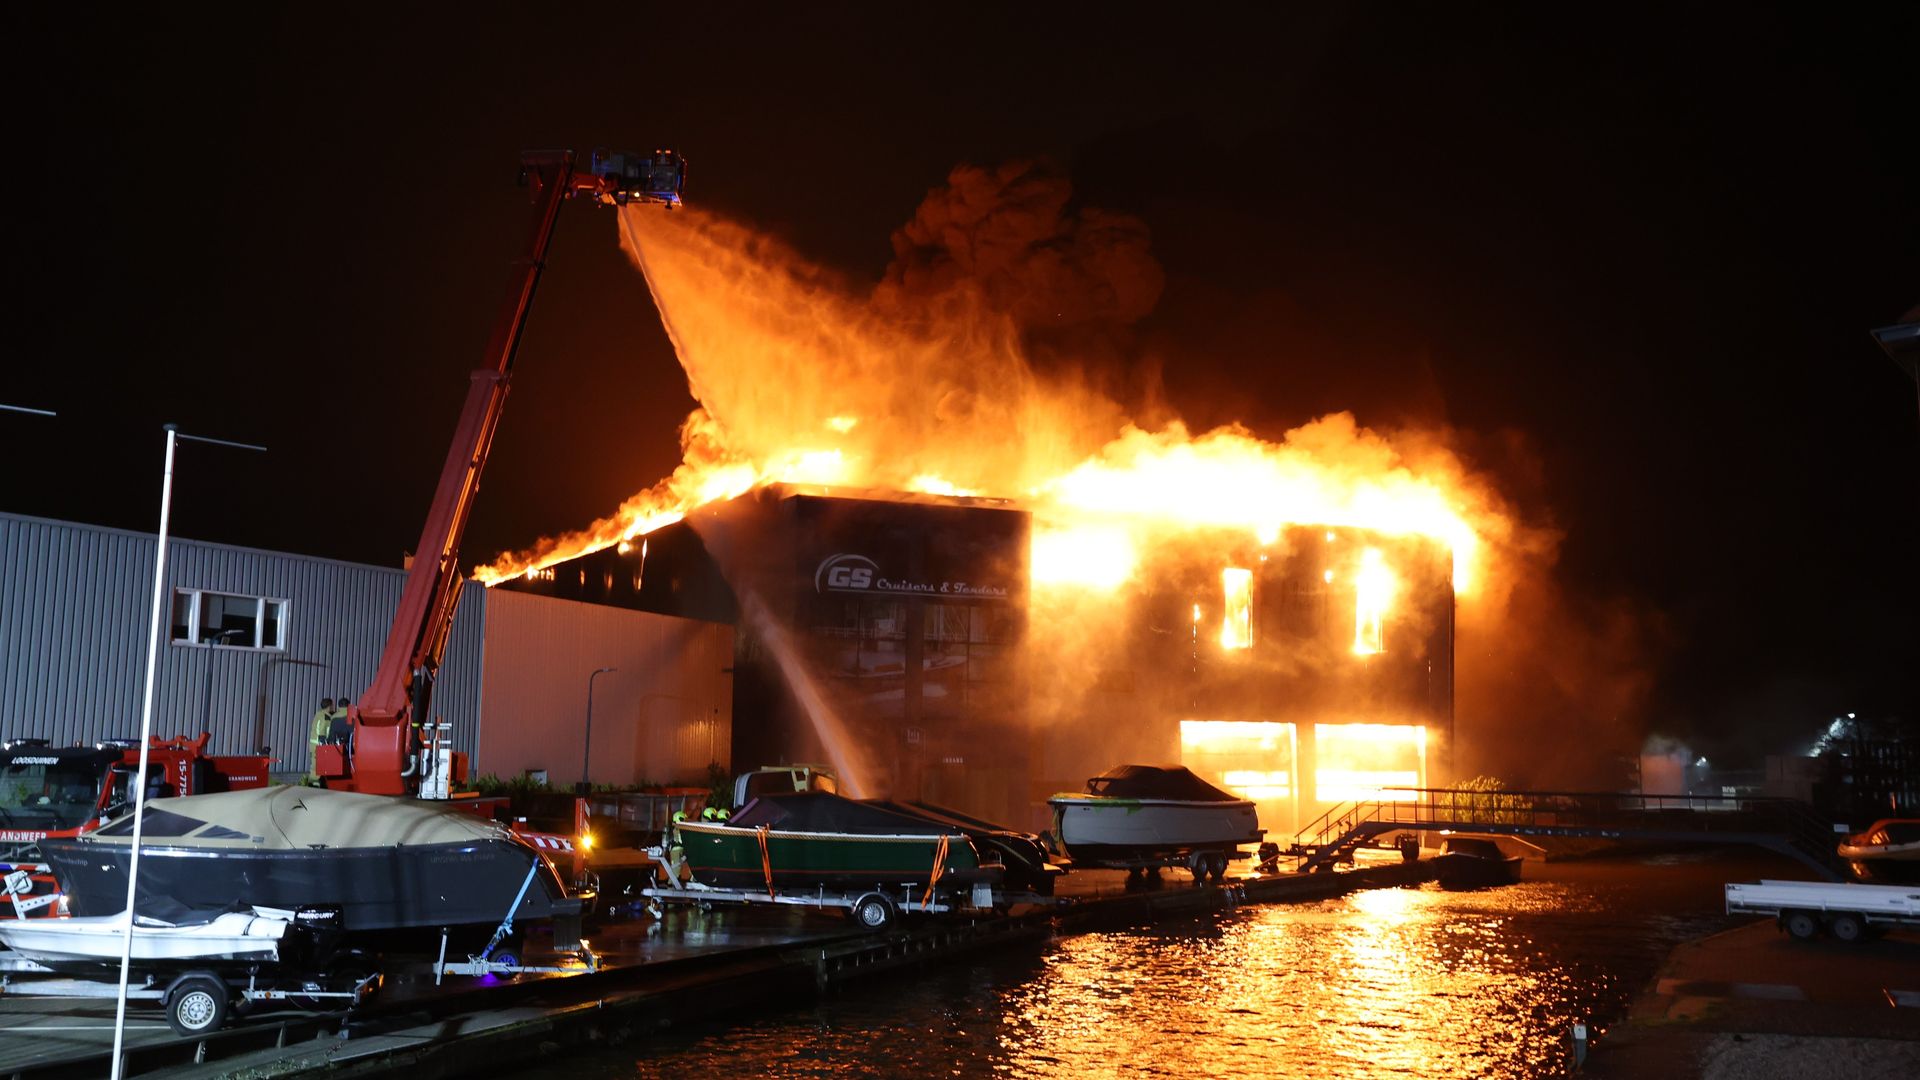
x=1383, y=983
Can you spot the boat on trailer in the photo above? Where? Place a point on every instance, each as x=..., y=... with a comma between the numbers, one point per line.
x=816, y=849
x=812, y=838
x=199, y=967
x=1024, y=858
x=84, y=944
x=384, y=863
x=1148, y=816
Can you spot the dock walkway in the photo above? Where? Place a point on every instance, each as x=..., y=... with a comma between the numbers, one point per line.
x=655, y=975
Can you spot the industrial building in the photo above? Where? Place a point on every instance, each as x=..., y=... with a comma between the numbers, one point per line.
x=899, y=622
x=907, y=627
x=254, y=639
x=899, y=633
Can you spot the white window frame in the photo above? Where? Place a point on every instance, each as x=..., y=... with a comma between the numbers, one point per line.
x=193, y=638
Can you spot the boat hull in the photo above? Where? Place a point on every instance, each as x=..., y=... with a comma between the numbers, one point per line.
x=86, y=944
x=1888, y=851
x=1460, y=871
x=1096, y=828
x=724, y=856
x=375, y=888
x=1894, y=870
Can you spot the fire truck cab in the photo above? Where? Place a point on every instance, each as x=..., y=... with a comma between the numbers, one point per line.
x=64, y=791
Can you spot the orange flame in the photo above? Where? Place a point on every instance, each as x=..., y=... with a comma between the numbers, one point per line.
x=1373, y=594
x=1236, y=623
x=802, y=380
x=1358, y=761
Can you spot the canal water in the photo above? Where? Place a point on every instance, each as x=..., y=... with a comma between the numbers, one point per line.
x=1380, y=983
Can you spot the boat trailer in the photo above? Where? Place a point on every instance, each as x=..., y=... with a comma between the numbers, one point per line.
x=491, y=961
x=873, y=908
x=197, y=1001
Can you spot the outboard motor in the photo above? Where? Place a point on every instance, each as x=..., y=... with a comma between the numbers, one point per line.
x=320, y=931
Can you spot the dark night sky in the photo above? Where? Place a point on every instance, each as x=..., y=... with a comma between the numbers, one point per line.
x=1647, y=252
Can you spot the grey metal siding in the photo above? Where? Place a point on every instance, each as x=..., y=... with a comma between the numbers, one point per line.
x=74, y=603
x=662, y=717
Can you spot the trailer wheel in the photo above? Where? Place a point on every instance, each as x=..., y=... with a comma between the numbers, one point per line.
x=1199, y=864
x=1801, y=924
x=873, y=912
x=197, y=1005
x=1848, y=927
x=1217, y=866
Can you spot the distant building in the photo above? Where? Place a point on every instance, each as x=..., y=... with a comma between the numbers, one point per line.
x=1796, y=777
x=254, y=640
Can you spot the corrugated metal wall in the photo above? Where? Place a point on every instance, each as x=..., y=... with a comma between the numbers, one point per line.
x=662, y=717
x=74, y=601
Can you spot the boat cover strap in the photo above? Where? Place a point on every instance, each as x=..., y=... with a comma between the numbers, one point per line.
x=506, y=925
x=766, y=861
x=939, y=865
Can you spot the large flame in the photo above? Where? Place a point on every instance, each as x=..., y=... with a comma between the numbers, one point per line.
x=801, y=380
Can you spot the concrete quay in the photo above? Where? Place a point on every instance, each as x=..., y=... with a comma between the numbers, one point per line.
x=1754, y=1004
x=655, y=975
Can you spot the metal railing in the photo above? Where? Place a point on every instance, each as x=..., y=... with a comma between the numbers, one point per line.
x=1785, y=825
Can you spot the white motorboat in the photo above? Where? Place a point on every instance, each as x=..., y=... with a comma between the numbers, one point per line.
x=90, y=942
x=1887, y=851
x=1136, y=813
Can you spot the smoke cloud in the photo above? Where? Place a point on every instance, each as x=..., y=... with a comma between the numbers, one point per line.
x=977, y=364
x=1005, y=240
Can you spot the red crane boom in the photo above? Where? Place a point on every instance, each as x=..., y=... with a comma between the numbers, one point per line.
x=383, y=756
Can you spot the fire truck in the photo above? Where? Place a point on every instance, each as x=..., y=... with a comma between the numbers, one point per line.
x=64, y=791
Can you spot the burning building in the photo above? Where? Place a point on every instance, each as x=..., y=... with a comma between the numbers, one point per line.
x=883, y=637
x=908, y=641
x=1277, y=612
x=1311, y=669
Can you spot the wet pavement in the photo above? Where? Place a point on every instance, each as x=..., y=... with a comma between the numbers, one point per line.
x=1753, y=1002
x=36, y=1030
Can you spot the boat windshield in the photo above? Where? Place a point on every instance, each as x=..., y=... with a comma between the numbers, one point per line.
x=1479, y=847
x=48, y=795
x=1894, y=832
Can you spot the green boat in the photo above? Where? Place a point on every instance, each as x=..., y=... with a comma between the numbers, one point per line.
x=810, y=840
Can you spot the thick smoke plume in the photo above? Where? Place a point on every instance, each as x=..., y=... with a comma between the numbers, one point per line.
x=977, y=365
x=1004, y=239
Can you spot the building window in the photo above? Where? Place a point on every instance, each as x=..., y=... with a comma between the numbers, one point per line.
x=229, y=620
x=1236, y=623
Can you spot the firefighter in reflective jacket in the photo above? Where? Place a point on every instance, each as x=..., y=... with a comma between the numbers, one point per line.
x=322, y=726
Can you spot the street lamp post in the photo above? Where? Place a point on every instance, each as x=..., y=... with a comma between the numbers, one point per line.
x=586, y=752
x=146, y=725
